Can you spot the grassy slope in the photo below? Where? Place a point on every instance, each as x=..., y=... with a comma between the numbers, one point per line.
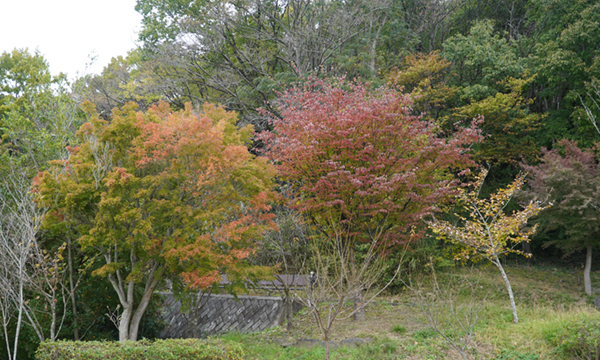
x=547, y=299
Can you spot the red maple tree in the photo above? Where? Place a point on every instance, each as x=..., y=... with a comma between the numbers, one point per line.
x=359, y=160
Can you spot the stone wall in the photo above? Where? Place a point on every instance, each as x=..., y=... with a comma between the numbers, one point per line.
x=223, y=313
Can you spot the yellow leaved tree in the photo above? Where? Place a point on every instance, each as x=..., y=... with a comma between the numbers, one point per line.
x=488, y=232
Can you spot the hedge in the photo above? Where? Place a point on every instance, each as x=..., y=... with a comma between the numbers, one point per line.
x=172, y=349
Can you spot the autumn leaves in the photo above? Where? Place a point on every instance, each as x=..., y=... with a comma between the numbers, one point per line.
x=178, y=195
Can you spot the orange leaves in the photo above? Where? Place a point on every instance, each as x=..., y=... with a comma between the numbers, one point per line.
x=175, y=188
x=201, y=281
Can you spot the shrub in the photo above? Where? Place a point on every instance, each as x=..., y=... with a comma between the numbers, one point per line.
x=578, y=340
x=173, y=349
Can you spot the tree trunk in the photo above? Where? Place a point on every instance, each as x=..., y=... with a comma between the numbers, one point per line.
x=141, y=309
x=327, y=346
x=124, y=323
x=19, y=319
x=5, y=322
x=53, y=322
x=289, y=309
x=72, y=292
x=130, y=320
x=587, y=281
x=497, y=262
x=359, y=309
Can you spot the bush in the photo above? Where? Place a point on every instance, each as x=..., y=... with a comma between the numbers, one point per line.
x=578, y=340
x=173, y=349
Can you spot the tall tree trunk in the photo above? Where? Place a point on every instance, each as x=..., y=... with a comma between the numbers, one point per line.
x=72, y=291
x=19, y=318
x=587, y=281
x=498, y=263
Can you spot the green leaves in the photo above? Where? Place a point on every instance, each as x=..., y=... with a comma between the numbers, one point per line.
x=37, y=117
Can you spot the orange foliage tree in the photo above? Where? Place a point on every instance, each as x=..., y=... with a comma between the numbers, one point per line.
x=160, y=195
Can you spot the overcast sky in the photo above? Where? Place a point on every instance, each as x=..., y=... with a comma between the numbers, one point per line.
x=67, y=32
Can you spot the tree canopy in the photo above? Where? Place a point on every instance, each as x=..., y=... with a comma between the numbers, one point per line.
x=159, y=195
x=359, y=160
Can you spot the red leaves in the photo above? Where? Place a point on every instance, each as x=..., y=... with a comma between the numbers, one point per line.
x=571, y=177
x=361, y=157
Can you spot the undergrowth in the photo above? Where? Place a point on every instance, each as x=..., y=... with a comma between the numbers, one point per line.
x=556, y=322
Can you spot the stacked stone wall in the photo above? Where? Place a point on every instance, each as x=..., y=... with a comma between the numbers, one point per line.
x=223, y=313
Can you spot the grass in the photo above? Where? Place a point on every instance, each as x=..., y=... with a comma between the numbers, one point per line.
x=548, y=299
x=399, y=329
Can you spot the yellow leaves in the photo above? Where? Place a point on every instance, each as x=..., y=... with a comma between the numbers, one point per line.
x=489, y=232
x=107, y=269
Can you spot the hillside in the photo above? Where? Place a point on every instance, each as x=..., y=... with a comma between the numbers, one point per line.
x=549, y=300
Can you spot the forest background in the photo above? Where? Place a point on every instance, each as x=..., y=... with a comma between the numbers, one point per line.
x=530, y=68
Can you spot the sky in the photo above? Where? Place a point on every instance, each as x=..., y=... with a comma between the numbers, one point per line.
x=68, y=32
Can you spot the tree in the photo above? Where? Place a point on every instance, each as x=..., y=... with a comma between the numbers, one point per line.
x=237, y=54
x=37, y=119
x=358, y=159
x=362, y=170
x=571, y=176
x=37, y=116
x=123, y=80
x=20, y=221
x=162, y=194
x=509, y=127
x=341, y=274
x=481, y=60
x=425, y=77
x=488, y=232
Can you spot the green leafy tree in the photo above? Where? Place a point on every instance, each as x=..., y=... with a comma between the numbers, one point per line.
x=123, y=80
x=237, y=54
x=481, y=60
x=161, y=195
x=564, y=58
x=509, y=127
x=37, y=116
